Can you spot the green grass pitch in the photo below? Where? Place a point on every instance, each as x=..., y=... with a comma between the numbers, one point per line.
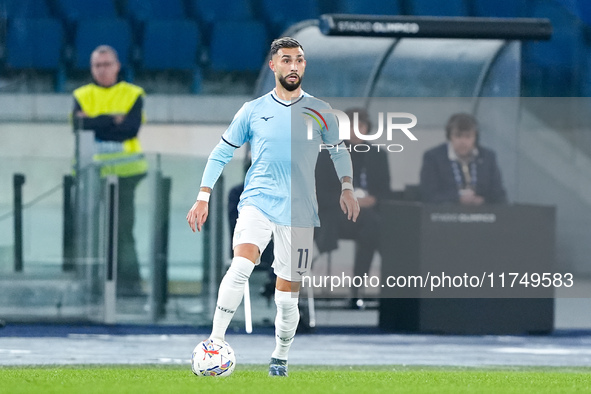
x=302, y=379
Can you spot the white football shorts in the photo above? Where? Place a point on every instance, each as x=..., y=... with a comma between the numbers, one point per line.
x=293, y=245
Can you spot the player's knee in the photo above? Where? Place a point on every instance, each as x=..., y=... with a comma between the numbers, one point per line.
x=248, y=251
x=287, y=286
x=239, y=271
x=286, y=301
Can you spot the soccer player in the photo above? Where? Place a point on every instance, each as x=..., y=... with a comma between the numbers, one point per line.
x=279, y=199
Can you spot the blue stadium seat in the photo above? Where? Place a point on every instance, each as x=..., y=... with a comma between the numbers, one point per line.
x=566, y=44
x=586, y=74
x=170, y=45
x=438, y=7
x=370, y=7
x=173, y=46
x=210, y=11
x=238, y=46
x=584, y=10
x=25, y=9
x=500, y=8
x=280, y=14
x=92, y=33
x=143, y=10
x=76, y=10
x=571, y=5
x=34, y=43
x=557, y=61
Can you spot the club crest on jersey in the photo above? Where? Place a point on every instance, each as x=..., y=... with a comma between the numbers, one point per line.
x=316, y=117
x=345, y=124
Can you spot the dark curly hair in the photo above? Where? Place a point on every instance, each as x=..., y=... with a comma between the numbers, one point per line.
x=284, y=42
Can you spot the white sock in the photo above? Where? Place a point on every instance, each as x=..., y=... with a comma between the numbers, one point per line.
x=230, y=295
x=286, y=322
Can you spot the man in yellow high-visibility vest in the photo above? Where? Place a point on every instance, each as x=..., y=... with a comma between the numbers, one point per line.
x=114, y=111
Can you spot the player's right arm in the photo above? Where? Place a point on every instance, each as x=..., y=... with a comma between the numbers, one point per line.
x=198, y=213
x=234, y=137
x=219, y=157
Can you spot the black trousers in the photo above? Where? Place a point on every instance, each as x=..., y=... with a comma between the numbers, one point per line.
x=365, y=233
x=128, y=270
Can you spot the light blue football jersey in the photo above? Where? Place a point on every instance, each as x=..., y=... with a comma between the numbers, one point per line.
x=281, y=181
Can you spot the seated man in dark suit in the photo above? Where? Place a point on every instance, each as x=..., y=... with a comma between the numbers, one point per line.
x=460, y=170
x=371, y=179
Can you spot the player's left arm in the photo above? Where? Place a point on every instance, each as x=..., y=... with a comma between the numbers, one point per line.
x=342, y=163
x=348, y=201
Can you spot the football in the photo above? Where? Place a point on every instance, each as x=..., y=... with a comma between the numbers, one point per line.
x=213, y=358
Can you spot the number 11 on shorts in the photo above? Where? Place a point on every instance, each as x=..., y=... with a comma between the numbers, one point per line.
x=301, y=258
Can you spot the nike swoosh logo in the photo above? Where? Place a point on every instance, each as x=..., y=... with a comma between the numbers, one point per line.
x=267, y=118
